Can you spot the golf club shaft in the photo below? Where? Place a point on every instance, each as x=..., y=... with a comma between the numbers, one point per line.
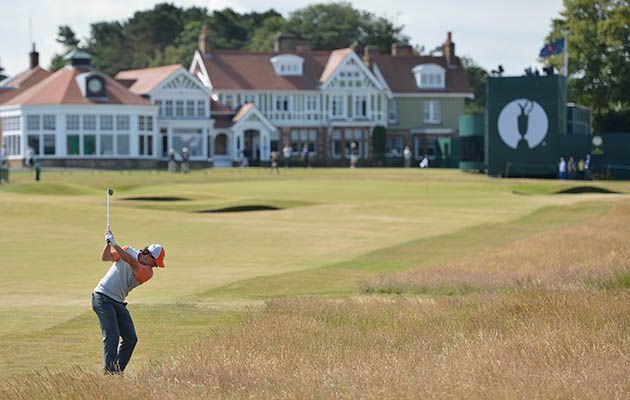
x=107, y=212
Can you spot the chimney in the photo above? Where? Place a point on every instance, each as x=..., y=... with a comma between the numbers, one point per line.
x=368, y=55
x=303, y=47
x=204, y=43
x=448, y=49
x=34, y=58
x=401, y=49
x=284, y=42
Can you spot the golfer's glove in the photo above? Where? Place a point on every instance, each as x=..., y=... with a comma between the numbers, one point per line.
x=109, y=238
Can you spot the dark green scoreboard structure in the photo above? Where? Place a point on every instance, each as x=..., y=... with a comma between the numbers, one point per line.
x=525, y=117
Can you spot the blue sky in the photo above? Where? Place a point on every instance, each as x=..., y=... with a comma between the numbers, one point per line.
x=492, y=32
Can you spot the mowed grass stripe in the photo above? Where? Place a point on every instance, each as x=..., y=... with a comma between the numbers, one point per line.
x=344, y=278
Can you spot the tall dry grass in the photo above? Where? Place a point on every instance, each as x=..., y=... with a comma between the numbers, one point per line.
x=585, y=253
x=529, y=342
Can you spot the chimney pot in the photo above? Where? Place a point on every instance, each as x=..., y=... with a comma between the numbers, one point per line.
x=401, y=49
x=204, y=43
x=448, y=49
x=34, y=58
x=285, y=42
x=368, y=55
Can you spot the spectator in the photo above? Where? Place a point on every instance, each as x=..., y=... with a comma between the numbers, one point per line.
x=286, y=154
x=28, y=157
x=305, y=155
x=274, y=162
x=244, y=160
x=185, y=160
x=571, y=168
x=562, y=169
x=172, y=164
x=354, y=156
x=580, y=169
x=424, y=163
x=407, y=156
x=2, y=162
x=38, y=170
x=587, y=168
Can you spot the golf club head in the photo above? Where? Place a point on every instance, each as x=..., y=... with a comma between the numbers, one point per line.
x=110, y=192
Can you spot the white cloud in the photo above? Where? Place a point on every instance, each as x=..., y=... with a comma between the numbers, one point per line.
x=492, y=32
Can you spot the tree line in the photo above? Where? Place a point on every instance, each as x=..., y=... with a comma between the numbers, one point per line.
x=168, y=34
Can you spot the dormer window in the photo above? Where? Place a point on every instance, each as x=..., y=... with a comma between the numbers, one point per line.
x=429, y=76
x=287, y=65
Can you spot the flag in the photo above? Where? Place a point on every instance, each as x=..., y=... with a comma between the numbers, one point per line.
x=552, y=48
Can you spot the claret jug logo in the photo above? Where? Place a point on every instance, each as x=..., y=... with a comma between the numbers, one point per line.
x=523, y=124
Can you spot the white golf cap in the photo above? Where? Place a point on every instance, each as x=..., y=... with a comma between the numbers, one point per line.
x=157, y=251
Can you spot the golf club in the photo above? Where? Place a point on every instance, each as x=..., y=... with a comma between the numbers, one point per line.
x=109, y=193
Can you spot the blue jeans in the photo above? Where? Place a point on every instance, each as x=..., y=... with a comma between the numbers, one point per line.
x=115, y=323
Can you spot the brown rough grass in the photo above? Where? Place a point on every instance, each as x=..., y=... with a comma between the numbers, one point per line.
x=529, y=342
x=575, y=255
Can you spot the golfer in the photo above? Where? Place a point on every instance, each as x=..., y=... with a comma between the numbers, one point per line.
x=131, y=268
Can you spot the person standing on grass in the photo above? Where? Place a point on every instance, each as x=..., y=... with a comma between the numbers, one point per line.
x=407, y=156
x=562, y=169
x=274, y=162
x=580, y=169
x=571, y=168
x=185, y=160
x=130, y=269
x=305, y=160
x=172, y=164
x=286, y=153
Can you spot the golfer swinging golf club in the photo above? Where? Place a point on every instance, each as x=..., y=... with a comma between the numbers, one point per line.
x=130, y=269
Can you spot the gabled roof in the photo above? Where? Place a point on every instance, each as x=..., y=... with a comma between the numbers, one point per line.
x=143, y=81
x=248, y=110
x=397, y=73
x=28, y=78
x=245, y=108
x=335, y=58
x=232, y=119
x=11, y=87
x=243, y=70
x=62, y=88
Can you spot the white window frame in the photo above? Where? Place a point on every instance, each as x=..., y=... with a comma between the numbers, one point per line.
x=358, y=100
x=429, y=76
x=102, y=126
x=432, y=112
x=190, y=108
x=87, y=117
x=287, y=65
x=46, y=122
x=201, y=106
x=392, y=110
x=338, y=106
x=281, y=103
x=120, y=123
x=33, y=122
x=73, y=122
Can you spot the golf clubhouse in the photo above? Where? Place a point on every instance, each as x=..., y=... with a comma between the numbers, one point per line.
x=229, y=105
